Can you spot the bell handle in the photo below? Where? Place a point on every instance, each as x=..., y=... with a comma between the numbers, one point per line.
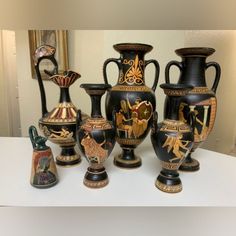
x=41, y=53
x=217, y=74
x=33, y=133
x=157, y=72
x=167, y=69
x=116, y=61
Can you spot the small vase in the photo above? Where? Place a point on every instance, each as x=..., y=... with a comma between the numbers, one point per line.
x=95, y=137
x=172, y=139
x=43, y=171
x=132, y=100
x=59, y=125
x=200, y=100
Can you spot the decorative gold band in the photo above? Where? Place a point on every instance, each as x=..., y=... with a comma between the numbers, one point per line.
x=168, y=188
x=96, y=184
x=67, y=158
x=131, y=88
x=201, y=90
x=128, y=141
x=170, y=166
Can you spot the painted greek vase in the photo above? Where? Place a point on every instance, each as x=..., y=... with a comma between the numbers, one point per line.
x=132, y=101
x=58, y=125
x=201, y=100
x=43, y=171
x=95, y=137
x=172, y=139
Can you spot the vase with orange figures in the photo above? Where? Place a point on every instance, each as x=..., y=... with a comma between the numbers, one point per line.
x=58, y=125
x=132, y=102
x=95, y=137
x=201, y=100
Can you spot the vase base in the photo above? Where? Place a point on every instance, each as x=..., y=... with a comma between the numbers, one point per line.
x=190, y=165
x=168, y=188
x=96, y=178
x=68, y=160
x=127, y=164
x=96, y=184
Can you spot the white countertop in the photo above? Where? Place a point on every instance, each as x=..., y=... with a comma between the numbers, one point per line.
x=213, y=185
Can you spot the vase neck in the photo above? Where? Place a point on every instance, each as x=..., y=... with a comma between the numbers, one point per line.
x=64, y=95
x=96, y=105
x=131, y=71
x=172, y=112
x=193, y=71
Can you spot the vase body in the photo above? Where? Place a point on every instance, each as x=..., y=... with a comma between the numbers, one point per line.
x=172, y=140
x=43, y=171
x=132, y=101
x=96, y=138
x=59, y=125
x=201, y=100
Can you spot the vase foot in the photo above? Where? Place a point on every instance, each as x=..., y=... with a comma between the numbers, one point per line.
x=68, y=157
x=168, y=182
x=120, y=161
x=96, y=178
x=190, y=165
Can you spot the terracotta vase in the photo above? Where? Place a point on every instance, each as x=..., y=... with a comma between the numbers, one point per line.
x=172, y=139
x=43, y=171
x=95, y=137
x=200, y=99
x=58, y=125
x=132, y=101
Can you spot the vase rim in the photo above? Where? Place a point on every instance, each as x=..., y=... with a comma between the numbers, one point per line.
x=91, y=86
x=132, y=46
x=182, y=87
x=198, y=51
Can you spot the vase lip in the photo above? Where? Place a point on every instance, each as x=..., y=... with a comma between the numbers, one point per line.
x=119, y=47
x=192, y=51
x=182, y=87
x=91, y=86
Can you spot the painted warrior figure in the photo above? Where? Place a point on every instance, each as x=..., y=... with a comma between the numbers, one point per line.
x=175, y=143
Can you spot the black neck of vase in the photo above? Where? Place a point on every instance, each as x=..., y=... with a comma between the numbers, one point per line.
x=193, y=72
x=172, y=111
x=64, y=95
x=96, y=106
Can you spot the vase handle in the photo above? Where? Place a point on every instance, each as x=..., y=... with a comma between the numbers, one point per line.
x=117, y=61
x=33, y=133
x=217, y=76
x=191, y=120
x=167, y=69
x=157, y=68
x=44, y=52
x=154, y=122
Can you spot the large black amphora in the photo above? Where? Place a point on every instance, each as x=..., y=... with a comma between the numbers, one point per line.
x=132, y=101
x=200, y=100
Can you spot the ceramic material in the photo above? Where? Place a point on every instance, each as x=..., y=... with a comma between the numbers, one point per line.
x=201, y=100
x=43, y=171
x=172, y=139
x=96, y=138
x=131, y=99
x=58, y=125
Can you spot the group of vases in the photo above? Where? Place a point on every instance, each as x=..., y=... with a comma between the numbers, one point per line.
x=189, y=114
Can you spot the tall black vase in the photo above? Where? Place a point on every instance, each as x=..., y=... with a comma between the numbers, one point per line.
x=95, y=137
x=201, y=100
x=172, y=139
x=132, y=101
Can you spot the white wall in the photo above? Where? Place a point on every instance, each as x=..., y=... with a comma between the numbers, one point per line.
x=87, y=52
x=223, y=135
